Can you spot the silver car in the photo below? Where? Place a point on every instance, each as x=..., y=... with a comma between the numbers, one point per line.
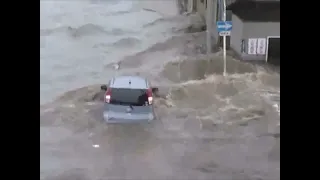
x=128, y=99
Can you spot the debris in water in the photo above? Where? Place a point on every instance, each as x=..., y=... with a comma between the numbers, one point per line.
x=69, y=105
x=49, y=110
x=116, y=66
x=91, y=103
x=96, y=146
x=147, y=9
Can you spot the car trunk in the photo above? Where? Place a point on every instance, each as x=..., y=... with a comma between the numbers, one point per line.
x=128, y=114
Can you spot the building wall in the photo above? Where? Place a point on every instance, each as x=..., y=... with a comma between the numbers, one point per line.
x=236, y=34
x=242, y=31
x=261, y=29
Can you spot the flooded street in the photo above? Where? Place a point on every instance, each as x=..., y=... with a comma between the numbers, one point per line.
x=209, y=127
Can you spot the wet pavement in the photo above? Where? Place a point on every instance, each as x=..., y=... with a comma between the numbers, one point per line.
x=209, y=126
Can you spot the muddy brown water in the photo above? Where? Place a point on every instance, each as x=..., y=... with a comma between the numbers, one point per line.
x=208, y=126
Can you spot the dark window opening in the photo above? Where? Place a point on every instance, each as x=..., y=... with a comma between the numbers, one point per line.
x=274, y=51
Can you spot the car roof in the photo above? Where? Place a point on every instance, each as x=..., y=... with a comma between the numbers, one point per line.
x=137, y=82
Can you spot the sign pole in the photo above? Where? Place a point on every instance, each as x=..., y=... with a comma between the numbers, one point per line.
x=224, y=28
x=224, y=40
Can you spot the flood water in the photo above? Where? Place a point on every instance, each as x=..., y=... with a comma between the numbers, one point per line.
x=209, y=126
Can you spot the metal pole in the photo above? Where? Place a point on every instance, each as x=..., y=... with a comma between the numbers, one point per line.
x=224, y=40
x=209, y=26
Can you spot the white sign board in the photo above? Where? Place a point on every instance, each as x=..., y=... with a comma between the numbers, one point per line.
x=225, y=33
x=252, y=46
x=261, y=46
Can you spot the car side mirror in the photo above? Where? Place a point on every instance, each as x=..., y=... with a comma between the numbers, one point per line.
x=104, y=87
x=155, y=90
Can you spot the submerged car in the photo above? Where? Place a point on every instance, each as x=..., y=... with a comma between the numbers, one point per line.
x=128, y=99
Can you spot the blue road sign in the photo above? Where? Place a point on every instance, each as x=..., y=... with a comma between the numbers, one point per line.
x=224, y=26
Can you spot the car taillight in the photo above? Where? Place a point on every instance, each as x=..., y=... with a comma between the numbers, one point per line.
x=150, y=98
x=108, y=96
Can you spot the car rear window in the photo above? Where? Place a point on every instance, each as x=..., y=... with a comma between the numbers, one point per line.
x=134, y=97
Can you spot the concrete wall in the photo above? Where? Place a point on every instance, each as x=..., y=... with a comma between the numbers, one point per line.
x=245, y=30
x=236, y=34
x=261, y=29
x=241, y=30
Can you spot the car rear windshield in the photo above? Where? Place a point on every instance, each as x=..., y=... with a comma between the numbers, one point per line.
x=134, y=97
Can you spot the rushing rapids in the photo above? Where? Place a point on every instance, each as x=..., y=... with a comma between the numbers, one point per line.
x=209, y=126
